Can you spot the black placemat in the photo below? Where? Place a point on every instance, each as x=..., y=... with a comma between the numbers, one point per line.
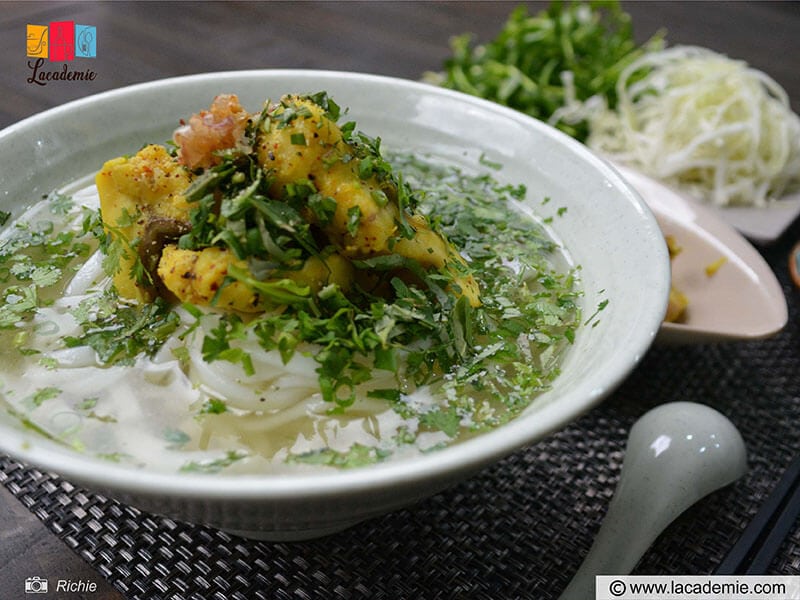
x=517, y=530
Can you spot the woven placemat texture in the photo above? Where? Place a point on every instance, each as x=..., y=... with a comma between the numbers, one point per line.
x=517, y=530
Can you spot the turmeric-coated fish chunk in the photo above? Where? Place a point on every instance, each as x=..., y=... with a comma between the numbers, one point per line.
x=133, y=191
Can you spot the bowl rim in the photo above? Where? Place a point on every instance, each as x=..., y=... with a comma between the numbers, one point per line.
x=467, y=455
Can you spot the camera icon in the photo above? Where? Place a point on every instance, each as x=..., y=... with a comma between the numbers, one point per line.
x=36, y=585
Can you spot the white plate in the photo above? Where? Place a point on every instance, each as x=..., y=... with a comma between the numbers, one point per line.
x=742, y=299
x=763, y=224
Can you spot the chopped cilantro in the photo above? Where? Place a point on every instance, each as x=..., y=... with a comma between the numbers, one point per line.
x=215, y=465
x=385, y=394
x=33, y=259
x=48, y=362
x=176, y=438
x=115, y=457
x=121, y=336
x=600, y=308
x=217, y=344
x=323, y=207
x=42, y=395
x=19, y=303
x=213, y=406
x=353, y=219
x=60, y=204
x=101, y=418
x=118, y=249
x=358, y=455
x=446, y=421
x=87, y=403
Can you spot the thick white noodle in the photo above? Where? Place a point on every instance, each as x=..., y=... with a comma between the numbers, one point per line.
x=274, y=386
x=90, y=274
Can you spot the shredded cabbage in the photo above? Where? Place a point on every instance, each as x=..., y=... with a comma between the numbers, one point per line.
x=708, y=124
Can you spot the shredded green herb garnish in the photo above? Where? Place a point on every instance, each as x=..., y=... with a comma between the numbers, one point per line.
x=487, y=361
x=541, y=63
x=529, y=312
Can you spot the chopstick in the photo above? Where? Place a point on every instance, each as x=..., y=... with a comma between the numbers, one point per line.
x=752, y=554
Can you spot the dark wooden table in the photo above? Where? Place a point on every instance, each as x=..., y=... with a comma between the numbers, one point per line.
x=138, y=42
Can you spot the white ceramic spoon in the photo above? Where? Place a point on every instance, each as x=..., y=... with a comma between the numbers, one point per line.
x=676, y=454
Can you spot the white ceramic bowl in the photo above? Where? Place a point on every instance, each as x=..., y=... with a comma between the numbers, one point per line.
x=607, y=229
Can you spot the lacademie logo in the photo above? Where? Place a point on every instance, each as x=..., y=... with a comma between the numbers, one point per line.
x=60, y=41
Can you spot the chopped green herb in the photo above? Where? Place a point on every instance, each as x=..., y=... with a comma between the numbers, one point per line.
x=213, y=466
x=213, y=406
x=353, y=219
x=446, y=421
x=358, y=455
x=121, y=336
x=543, y=64
x=60, y=204
x=101, y=418
x=115, y=457
x=217, y=344
x=87, y=404
x=391, y=394
x=19, y=303
x=176, y=438
x=323, y=207
x=489, y=163
x=600, y=308
x=42, y=395
x=48, y=362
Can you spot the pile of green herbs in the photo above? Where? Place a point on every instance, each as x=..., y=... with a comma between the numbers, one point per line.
x=524, y=66
x=489, y=361
x=355, y=332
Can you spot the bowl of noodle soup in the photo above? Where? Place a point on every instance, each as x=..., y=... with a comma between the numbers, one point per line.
x=280, y=452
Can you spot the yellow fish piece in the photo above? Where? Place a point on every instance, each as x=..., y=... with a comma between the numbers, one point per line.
x=201, y=277
x=134, y=191
x=310, y=146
